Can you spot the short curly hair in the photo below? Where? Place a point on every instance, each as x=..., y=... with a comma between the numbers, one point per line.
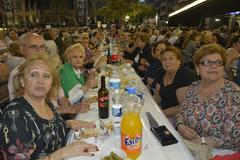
x=175, y=51
x=69, y=50
x=208, y=50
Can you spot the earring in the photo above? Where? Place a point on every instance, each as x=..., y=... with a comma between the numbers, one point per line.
x=198, y=74
x=22, y=83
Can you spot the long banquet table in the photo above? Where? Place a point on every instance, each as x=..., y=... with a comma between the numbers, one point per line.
x=151, y=148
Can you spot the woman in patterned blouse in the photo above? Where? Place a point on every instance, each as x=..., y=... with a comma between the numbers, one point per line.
x=210, y=112
x=29, y=127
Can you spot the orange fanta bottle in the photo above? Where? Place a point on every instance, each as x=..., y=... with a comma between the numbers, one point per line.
x=131, y=134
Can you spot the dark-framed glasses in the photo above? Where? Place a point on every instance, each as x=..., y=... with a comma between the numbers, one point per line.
x=208, y=62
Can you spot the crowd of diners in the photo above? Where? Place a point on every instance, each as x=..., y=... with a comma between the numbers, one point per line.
x=193, y=75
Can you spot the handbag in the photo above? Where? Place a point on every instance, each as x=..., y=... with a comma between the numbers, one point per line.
x=199, y=151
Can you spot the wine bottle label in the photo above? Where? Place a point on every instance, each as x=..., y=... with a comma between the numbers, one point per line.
x=103, y=102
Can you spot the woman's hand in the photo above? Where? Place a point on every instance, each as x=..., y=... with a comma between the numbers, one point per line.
x=92, y=73
x=78, y=148
x=82, y=107
x=149, y=81
x=197, y=140
x=141, y=68
x=187, y=132
x=211, y=142
x=91, y=83
x=78, y=124
x=144, y=62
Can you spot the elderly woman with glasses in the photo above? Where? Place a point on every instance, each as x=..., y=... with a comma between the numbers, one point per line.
x=210, y=112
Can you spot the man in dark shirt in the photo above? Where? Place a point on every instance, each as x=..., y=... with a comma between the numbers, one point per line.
x=58, y=40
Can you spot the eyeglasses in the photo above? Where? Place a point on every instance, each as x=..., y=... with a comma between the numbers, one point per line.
x=37, y=47
x=210, y=63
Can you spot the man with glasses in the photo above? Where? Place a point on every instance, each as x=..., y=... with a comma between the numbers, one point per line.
x=30, y=44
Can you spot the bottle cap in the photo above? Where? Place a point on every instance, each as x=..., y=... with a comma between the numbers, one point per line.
x=131, y=90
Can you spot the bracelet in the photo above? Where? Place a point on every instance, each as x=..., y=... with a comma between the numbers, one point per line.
x=203, y=141
x=177, y=125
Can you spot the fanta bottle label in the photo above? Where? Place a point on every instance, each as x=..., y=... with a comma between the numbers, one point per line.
x=131, y=144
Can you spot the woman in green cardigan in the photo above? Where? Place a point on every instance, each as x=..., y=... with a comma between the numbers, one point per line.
x=73, y=80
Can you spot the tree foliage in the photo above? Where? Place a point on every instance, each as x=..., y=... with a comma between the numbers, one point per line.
x=118, y=9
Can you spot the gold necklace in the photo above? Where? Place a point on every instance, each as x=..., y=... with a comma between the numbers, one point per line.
x=37, y=110
x=168, y=79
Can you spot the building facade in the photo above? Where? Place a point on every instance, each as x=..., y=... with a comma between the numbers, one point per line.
x=165, y=7
x=42, y=12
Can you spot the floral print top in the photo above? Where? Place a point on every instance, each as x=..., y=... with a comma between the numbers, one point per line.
x=218, y=117
x=24, y=135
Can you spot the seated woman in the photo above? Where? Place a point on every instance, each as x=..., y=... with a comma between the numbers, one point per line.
x=141, y=57
x=190, y=46
x=210, y=110
x=73, y=79
x=233, y=54
x=155, y=69
x=173, y=83
x=30, y=128
x=60, y=102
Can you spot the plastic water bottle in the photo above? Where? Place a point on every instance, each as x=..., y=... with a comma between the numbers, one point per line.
x=116, y=104
x=130, y=99
x=138, y=90
x=114, y=81
x=116, y=111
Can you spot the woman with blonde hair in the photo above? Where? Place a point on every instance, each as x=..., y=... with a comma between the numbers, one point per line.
x=73, y=79
x=61, y=103
x=206, y=38
x=30, y=128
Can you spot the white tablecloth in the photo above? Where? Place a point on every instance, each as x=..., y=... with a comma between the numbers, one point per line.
x=152, y=149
